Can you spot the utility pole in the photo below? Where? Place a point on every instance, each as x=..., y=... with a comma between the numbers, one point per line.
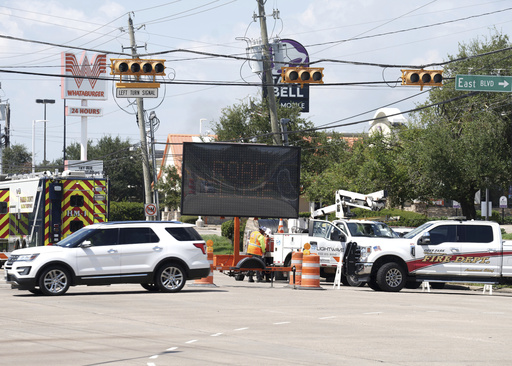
x=267, y=72
x=142, y=127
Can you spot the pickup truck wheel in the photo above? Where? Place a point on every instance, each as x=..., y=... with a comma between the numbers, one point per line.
x=54, y=281
x=170, y=278
x=391, y=277
x=374, y=285
x=354, y=282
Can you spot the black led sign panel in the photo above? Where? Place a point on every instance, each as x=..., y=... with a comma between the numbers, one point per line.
x=244, y=180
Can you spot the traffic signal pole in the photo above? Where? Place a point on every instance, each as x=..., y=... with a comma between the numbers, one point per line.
x=148, y=198
x=267, y=72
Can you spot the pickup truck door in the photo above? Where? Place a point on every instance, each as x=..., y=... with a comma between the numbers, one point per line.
x=327, y=241
x=435, y=250
x=480, y=251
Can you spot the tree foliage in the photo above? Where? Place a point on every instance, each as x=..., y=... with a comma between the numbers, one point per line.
x=169, y=188
x=16, y=160
x=456, y=149
x=121, y=164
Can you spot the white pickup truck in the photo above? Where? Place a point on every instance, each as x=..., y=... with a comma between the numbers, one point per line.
x=328, y=240
x=437, y=252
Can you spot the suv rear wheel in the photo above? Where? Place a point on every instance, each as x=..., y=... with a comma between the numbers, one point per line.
x=54, y=281
x=170, y=277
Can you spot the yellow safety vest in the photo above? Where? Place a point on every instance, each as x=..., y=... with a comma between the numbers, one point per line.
x=254, y=247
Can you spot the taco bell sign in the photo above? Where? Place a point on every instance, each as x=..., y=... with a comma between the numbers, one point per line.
x=82, y=75
x=288, y=52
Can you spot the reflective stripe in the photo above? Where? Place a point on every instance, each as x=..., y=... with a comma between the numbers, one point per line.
x=254, y=249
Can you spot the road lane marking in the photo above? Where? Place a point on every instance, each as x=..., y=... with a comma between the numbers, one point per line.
x=216, y=335
x=191, y=341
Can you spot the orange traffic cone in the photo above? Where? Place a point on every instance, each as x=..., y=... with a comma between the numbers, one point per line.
x=280, y=228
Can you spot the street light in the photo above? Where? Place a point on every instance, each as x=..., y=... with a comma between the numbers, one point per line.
x=45, y=102
x=34, y=142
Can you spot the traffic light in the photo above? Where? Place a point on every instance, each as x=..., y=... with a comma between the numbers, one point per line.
x=422, y=78
x=137, y=67
x=302, y=75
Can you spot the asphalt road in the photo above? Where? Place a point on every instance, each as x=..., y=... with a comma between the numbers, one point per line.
x=241, y=323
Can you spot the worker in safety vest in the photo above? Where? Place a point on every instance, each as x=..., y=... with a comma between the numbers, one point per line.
x=256, y=248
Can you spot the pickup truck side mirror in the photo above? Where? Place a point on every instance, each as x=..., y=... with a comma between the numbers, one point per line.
x=337, y=235
x=425, y=239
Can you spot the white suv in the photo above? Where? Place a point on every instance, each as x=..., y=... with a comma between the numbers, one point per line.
x=160, y=256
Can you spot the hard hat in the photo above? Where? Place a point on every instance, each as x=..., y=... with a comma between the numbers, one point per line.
x=263, y=228
x=268, y=232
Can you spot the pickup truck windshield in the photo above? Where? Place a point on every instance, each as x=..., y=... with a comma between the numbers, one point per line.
x=370, y=229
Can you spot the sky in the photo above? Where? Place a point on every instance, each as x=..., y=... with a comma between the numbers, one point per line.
x=381, y=37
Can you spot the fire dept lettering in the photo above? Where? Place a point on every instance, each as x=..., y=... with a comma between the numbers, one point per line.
x=456, y=259
x=76, y=213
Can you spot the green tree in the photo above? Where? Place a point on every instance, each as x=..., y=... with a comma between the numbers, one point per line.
x=121, y=164
x=169, y=188
x=456, y=149
x=16, y=160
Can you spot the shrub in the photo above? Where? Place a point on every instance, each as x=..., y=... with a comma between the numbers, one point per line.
x=126, y=211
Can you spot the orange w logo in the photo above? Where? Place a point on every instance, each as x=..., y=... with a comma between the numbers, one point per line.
x=85, y=70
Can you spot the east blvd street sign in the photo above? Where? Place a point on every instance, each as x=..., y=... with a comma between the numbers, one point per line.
x=488, y=83
x=137, y=92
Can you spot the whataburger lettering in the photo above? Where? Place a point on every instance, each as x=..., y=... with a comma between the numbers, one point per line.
x=455, y=258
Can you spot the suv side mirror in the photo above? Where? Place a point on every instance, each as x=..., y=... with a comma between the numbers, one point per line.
x=425, y=239
x=85, y=244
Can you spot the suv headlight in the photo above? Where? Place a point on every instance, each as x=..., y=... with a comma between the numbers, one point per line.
x=27, y=257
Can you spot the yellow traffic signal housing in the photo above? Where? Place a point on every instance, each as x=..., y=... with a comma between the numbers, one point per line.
x=137, y=67
x=422, y=78
x=302, y=75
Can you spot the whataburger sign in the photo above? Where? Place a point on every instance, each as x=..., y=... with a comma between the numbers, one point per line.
x=82, y=79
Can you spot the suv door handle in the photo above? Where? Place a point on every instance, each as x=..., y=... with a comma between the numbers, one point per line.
x=492, y=250
x=455, y=250
x=157, y=248
x=112, y=251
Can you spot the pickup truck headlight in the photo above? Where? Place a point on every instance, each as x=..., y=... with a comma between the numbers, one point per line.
x=27, y=257
x=364, y=252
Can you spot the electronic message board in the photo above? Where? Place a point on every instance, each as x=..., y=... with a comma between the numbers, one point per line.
x=242, y=180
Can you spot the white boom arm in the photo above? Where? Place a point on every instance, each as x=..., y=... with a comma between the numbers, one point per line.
x=345, y=199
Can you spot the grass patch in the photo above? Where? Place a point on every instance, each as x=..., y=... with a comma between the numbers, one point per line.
x=507, y=236
x=221, y=244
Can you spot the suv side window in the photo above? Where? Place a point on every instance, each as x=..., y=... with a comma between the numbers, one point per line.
x=137, y=235
x=183, y=233
x=475, y=234
x=442, y=234
x=103, y=237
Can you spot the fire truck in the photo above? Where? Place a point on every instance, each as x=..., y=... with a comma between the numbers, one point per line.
x=43, y=208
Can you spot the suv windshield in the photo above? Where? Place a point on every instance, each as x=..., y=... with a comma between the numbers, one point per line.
x=75, y=238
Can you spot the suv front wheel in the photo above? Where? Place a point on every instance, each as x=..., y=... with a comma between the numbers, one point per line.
x=54, y=281
x=170, y=277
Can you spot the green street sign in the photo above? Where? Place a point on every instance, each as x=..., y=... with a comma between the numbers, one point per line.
x=488, y=83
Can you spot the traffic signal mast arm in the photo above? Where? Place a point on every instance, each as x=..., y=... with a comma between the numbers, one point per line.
x=302, y=75
x=137, y=67
x=422, y=78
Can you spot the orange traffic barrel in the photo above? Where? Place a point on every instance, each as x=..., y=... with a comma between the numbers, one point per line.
x=310, y=273
x=297, y=263
x=207, y=281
